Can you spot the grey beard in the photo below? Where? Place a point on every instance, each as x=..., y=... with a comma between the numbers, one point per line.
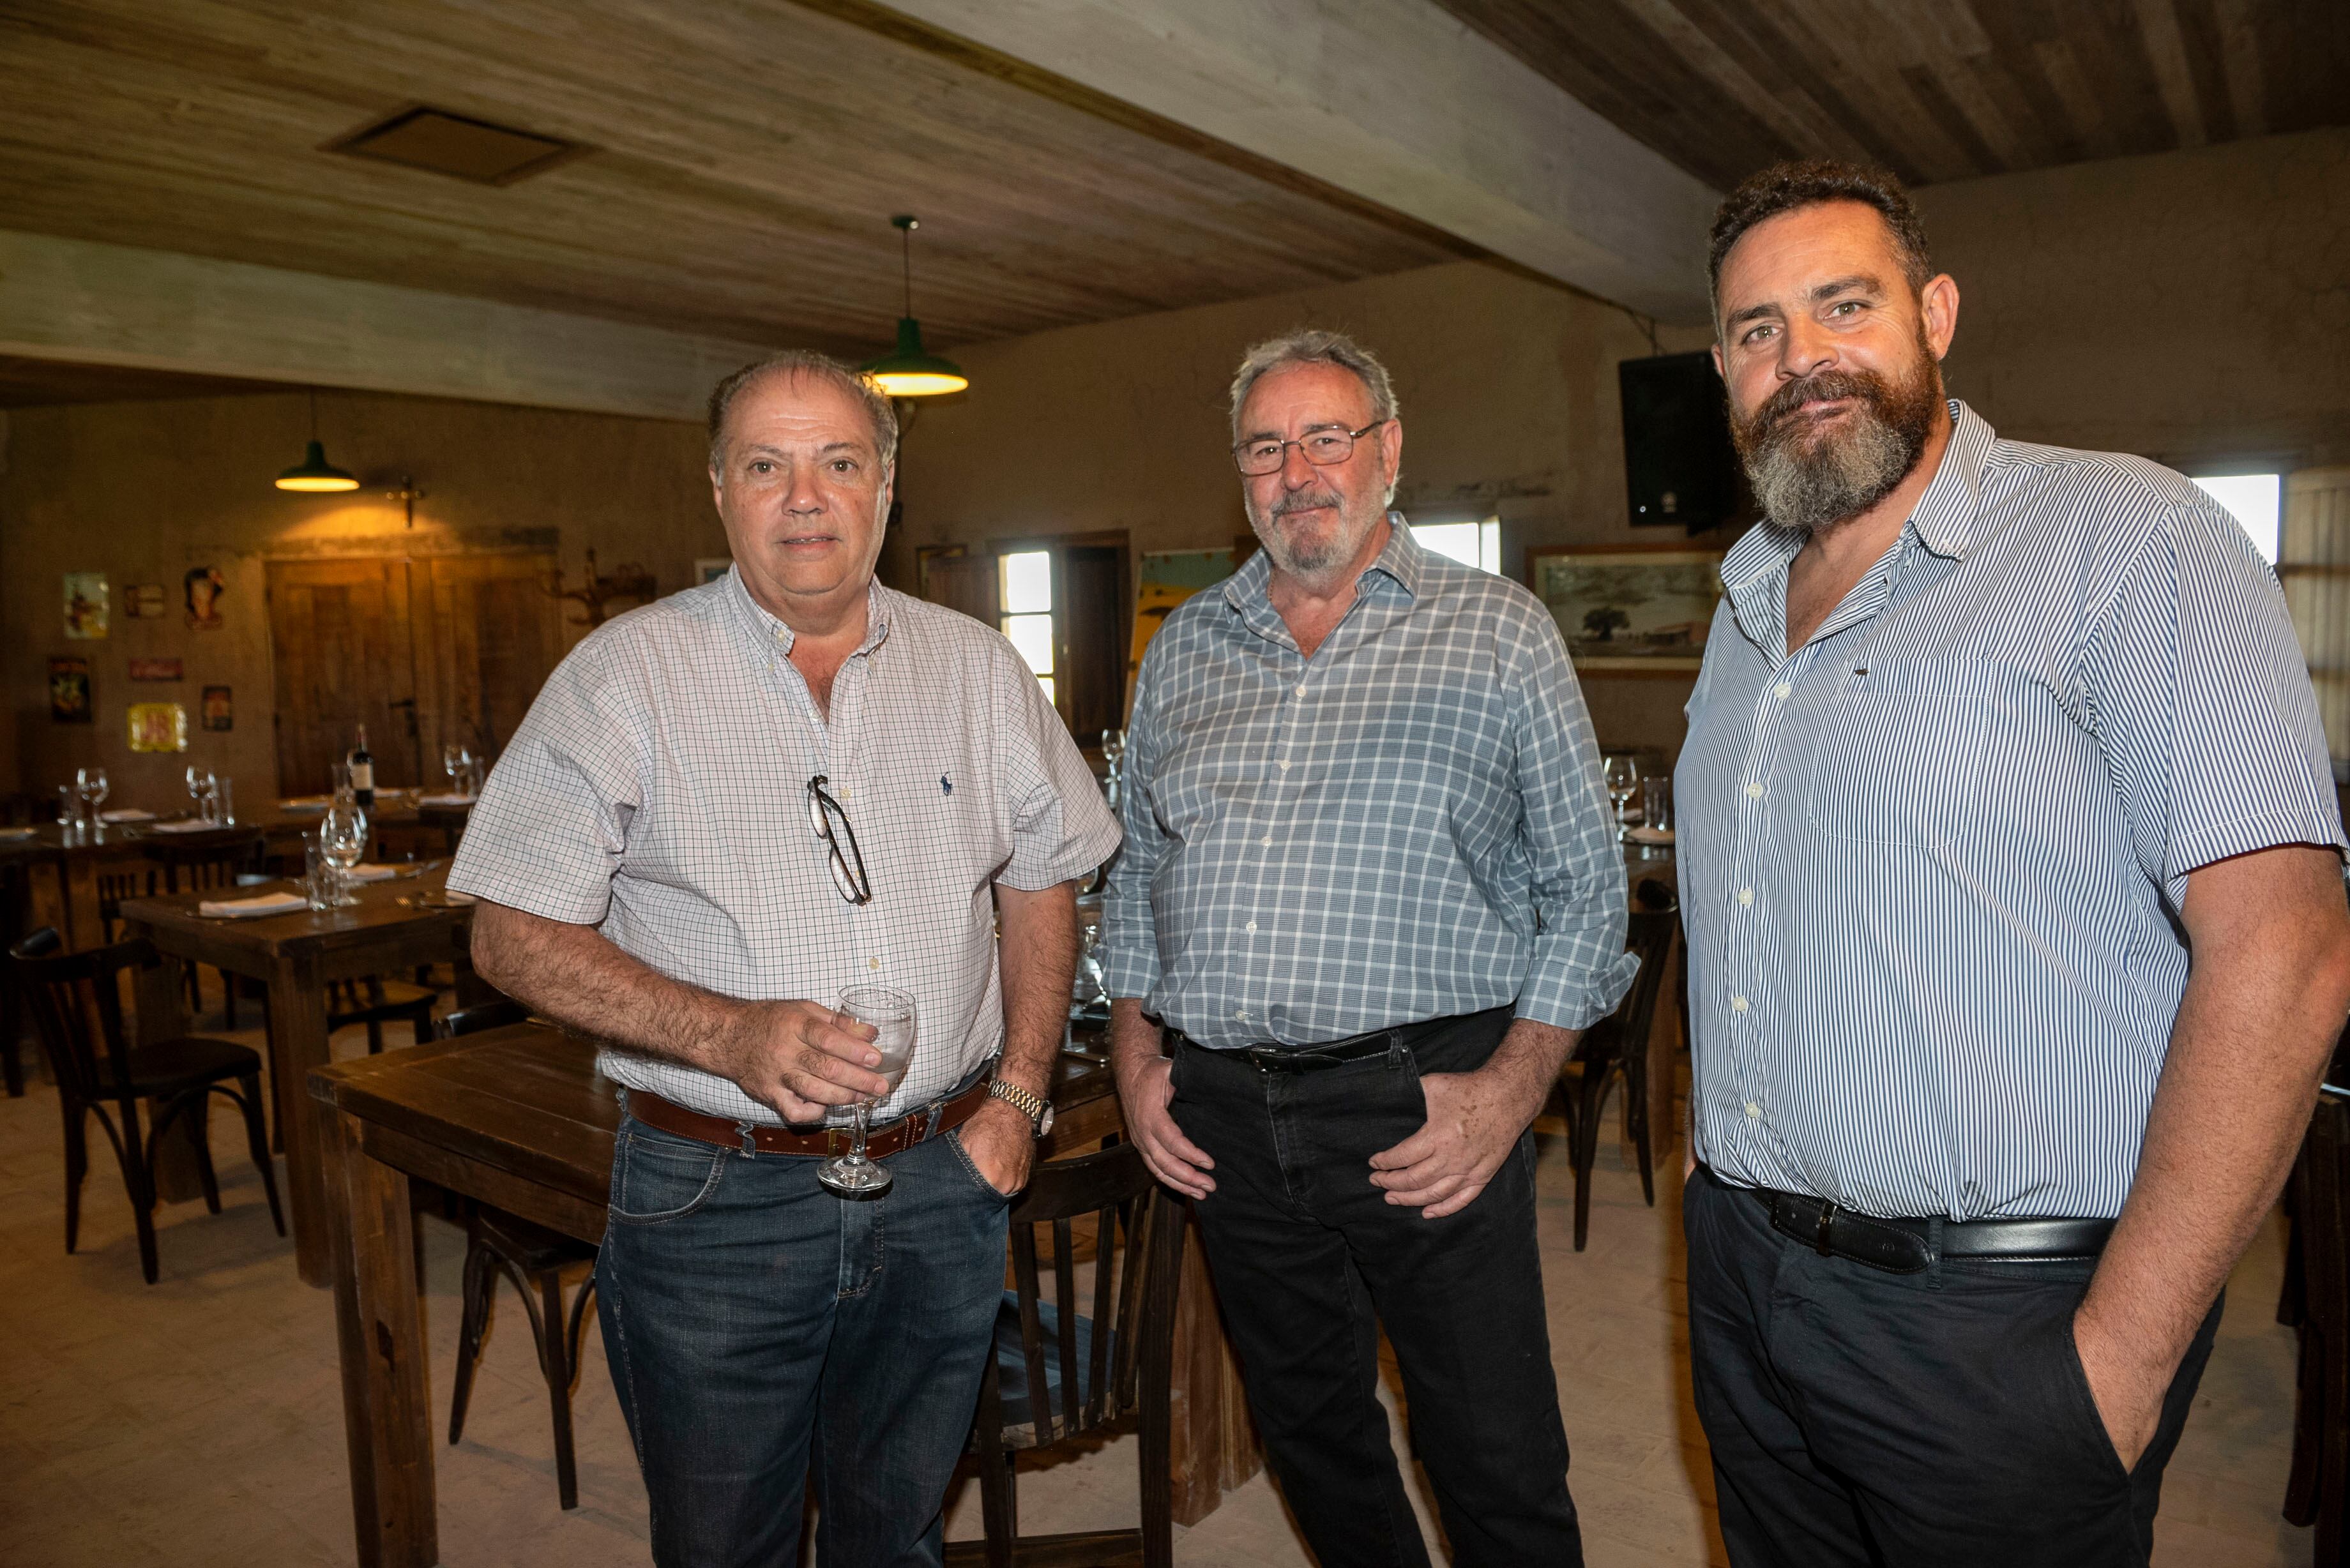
x=1843, y=476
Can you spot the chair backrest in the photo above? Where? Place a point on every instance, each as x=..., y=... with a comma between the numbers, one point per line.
x=448, y=820
x=1101, y=1361
x=1655, y=922
x=196, y=868
x=484, y=1015
x=76, y=1003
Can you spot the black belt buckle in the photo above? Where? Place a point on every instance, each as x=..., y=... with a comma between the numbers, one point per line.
x=1820, y=1235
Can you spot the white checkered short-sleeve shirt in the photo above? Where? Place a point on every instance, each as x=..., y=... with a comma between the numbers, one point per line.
x=658, y=790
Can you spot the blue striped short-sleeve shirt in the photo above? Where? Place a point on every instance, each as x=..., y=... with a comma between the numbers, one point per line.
x=1932, y=861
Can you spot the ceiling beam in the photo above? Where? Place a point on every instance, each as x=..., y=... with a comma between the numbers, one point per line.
x=1392, y=101
x=75, y=301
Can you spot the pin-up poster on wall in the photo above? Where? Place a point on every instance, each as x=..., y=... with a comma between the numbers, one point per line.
x=85, y=606
x=69, y=701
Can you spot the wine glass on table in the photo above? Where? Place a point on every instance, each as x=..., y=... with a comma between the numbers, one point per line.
x=342, y=840
x=1623, y=777
x=89, y=784
x=204, y=791
x=891, y=1013
x=457, y=762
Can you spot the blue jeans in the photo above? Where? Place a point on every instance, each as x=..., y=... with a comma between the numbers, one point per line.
x=756, y=1324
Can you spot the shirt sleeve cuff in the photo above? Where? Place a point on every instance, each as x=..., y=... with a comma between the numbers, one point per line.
x=534, y=894
x=2217, y=841
x=1577, y=998
x=1076, y=857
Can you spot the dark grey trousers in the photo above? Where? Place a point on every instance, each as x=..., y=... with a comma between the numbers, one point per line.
x=1859, y=1417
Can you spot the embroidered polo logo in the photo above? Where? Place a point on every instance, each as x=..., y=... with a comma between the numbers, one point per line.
x=945, y=787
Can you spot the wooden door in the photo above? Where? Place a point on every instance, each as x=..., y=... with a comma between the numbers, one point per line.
x=1093, y=654
x=487, y=637
x=960, y=577
x=340, y=631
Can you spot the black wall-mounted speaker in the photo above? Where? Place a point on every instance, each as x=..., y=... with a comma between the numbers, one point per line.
x=1679, y=469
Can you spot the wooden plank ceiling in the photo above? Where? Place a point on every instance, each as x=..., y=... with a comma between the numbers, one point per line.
x=1933, y=90
x=33, y=383
x=746, y=157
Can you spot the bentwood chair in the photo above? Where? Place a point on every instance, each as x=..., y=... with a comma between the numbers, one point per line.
x=1056, y=1376
x=1618, y=1043
x=77, y=1004
x=14, y=902
x=535, y=1259
x=2316, y=1302
x=201, y=869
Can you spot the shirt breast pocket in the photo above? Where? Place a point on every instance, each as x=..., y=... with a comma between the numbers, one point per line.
x=1901, y=757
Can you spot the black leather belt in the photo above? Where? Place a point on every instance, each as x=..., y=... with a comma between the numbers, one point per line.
x=1911, y=1246
x=1269, y=1057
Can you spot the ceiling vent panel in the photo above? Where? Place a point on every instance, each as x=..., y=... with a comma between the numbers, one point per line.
x=458, y=146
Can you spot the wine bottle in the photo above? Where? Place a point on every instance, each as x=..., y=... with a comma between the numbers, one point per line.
x=363, y=773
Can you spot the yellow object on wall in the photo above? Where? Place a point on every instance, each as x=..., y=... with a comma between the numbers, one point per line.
x=158, y=727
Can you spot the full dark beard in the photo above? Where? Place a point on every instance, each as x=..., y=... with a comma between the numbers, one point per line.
x=1813, y=479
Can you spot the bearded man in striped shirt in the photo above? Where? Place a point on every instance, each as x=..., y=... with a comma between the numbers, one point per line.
x=2012, y=877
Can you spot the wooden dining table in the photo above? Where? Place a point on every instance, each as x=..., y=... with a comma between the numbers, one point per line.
x=520, y=1119
x=396, y=925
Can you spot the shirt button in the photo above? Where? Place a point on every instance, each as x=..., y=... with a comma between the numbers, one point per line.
x=1284, y=767
x=1754, y=1111
x=1745, y=895
x=1241, y=1017
x=1250, y=928
x=873, y=964
x=1266, y=841
x=1782, y=690
x=1754, y=792
x=1737, y=1005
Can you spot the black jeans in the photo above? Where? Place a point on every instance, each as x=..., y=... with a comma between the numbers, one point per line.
x=1859, y=1416
x=1310, y=1259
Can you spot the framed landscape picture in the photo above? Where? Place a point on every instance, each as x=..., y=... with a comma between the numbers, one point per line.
x=1627, y=610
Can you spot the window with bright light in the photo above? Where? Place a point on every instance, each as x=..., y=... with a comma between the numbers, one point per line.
x=2256, y=499
x=1024, y=598
x=1477, y=544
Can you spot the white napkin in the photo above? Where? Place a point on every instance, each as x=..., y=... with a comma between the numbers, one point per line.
x=1650, y=835
x=363, y=872
x=449, y=799
x=185, y=825
x=304, y=803
x=246, y=909
x=126, y=814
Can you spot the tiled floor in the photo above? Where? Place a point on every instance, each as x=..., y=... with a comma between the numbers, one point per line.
x=198, y=1421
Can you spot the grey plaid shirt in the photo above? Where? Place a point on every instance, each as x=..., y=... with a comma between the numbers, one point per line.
x=1408, y=825
x=658, y=790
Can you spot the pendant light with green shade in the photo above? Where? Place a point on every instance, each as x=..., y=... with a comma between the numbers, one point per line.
x=913, y=372
x=313, y=473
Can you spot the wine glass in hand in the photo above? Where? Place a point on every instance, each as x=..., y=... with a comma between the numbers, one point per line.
x=342, y=839
x=891, y=1013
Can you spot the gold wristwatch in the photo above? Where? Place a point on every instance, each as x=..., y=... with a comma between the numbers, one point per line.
x=1038, y=1109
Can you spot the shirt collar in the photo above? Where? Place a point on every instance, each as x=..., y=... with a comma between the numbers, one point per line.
x=1944, y=523
x=771, y=631
x=1401, y=560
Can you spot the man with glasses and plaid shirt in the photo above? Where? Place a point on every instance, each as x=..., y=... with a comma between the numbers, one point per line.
x=723, y=810
x=1369, y=897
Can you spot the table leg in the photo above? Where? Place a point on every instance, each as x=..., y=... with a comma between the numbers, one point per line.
x=162, y=1017
x=298, y=1043
x=1668, y=1038
x=1214, y=1441
x=387, y=1398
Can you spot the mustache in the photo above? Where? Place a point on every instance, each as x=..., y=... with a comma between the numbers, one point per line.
x=1820, y=386
x=1306, y=500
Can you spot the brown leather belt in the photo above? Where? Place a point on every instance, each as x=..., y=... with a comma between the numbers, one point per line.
x=880, y=1143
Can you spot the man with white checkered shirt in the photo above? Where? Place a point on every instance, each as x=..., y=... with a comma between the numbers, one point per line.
x=723, y=810
x=1370, y=898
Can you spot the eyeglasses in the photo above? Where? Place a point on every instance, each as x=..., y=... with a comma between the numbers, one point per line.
x=1323, y=449
x=823, y=812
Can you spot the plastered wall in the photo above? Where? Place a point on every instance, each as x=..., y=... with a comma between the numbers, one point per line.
x=141, y=492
